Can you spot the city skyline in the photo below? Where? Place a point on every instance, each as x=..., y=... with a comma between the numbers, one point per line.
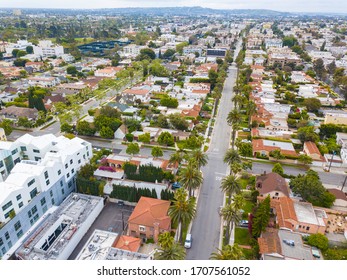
x=319, y=6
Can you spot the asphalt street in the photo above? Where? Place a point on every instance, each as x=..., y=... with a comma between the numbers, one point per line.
x=206, y=226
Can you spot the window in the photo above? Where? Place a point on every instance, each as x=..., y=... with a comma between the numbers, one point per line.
x=87, y=154
x=7, y=205
x=37, y=158
x=72, y=171
x=79, y=161
x=66, y=166
x=51, y=193
x=16, y=160
x=84, y=156
x=31, y=182
x=52, y=201
x=23, y=148
x=33, y=193
x=20, y=205
x=70, y=184
x=61, y=183
x=46, y=174
x=31, y=221
x=43, y=201
x=3, y=250
x=36, y=151
x=59, y=172
x=307, y=228
x=68, y=175
x=34, y=209
x=9, y=244
x=71, y=161
x=19, y=197
x=29, y=214
x=7, y=236
x=47, y=182
x=1, y=163
x=8, y=214
x=17, y=226
x=276, y=194
x=14, y=151
x=62, y=191
x=142, y=228
x=1, y=242
x=20, y=233
x=36, y=217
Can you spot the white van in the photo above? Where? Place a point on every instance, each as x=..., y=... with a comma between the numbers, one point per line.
x=188, y=242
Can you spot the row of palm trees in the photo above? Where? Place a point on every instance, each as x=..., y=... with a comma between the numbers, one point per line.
x=183, y=207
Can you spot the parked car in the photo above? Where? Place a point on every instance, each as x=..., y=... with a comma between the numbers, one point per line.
x=175, y=186
x=243, y=223
x=188, y=242
x=120, y=203
x=246, y=129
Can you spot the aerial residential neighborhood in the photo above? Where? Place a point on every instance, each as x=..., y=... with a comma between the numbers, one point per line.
x=157, y=134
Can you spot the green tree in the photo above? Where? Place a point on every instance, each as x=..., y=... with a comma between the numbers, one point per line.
x=35, y=98
x=165, y=138
x=169, y=249
x=21, y=53
x=169, y=102
x=24, y=121
x=133, y=149
x=311, y=189
x=65, y=127
x=278, y=169
x=233, y=159
x=319, y=68
x=86, y=171
x=234, y=119
x=182, y=210
x=146, y=54
x=230, y=186
x=71, y=70
x=84, y=128
x=261, y=217
x=318, y=240
x=199, y=157
x=169, y=53
x=305, y=159
x=177, y=157
x=180, y=46
x=213, y=76
x=178, y=122
x=15, y=52
x=110, y=112
x=105, y=121
x=245, y=149
x=229, y=252
x=157, y=152
x=276, y=154
x=29, y=49
x=307, y=133
x=145, y=138
x=190, y=177
x=289, y=41
x=312, y=104
x=7, y=126
x=230, y=215
x=106, y=132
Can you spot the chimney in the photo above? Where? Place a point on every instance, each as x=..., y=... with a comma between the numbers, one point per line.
x=156, y=231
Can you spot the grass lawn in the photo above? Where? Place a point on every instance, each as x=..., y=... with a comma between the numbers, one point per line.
x=242, y=236
x=248, y=207
x=248, y=254
x=243, y=183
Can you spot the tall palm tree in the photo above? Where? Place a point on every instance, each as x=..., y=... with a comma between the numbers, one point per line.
x=231, y=156
x=182, y=210
x=177, y=157
x=234, y=119
x=238, y=201
x=251, y=110
x=190, y=177
x=238, y=100
x=169, y=249
x=230, y=186
x=228, y=252
x=230, y=215
x=199, y=156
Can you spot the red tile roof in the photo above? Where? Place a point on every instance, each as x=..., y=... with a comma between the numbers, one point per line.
x=128, y=243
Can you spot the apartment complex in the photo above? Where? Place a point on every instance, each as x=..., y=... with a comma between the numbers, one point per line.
x=38, y=173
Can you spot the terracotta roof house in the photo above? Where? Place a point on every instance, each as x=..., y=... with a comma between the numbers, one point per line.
x=127, y=243
x=282, y=244
x=149, y=218
x=298, y=216
x=341, y=198
x=264, y=147
x=272, y=184
x=311, y=149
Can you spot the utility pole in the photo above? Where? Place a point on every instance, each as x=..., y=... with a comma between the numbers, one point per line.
x=331, y=161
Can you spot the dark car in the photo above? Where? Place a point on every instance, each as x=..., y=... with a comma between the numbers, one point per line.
x=175, y=186
x=120, y=203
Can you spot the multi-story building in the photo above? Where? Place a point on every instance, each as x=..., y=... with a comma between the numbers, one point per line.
x=42, y=174
x=47, y=49
x=20, y=45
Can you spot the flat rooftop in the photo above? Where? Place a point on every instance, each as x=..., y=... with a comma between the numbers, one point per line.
x=296, y=251
x=98, y=245
x=305, y=213
x=53, y=236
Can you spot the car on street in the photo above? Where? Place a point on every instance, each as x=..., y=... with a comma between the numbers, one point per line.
x=188, y=242
x=243, y=223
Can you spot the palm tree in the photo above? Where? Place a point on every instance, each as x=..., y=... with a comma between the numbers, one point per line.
x=238, y=201
x=230, y=186
x=238, y=100
x=231, y=156
x=230, y=215
x=251, y=110
x=190, y=177
x=169, y=249
x=200, y=157
x=182, y=210
x=234, y=119
x=228, y=252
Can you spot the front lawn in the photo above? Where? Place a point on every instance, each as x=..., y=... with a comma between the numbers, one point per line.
x=242, y=236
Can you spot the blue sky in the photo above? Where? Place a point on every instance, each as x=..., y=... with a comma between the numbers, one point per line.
x=339, y=6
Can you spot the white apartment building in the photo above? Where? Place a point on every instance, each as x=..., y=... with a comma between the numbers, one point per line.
x=132, y=50
x=20, y=45
x=42, y=175
x=47, y=49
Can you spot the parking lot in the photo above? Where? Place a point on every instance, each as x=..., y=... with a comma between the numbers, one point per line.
x=110, y=219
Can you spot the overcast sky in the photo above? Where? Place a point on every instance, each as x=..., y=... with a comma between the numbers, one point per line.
x=339, y=6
